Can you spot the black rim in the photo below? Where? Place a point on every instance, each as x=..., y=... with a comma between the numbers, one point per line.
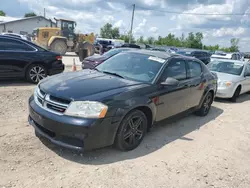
x=133, y=131
x=207, y=103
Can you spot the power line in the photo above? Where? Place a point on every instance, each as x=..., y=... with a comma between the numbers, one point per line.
x=193, y=13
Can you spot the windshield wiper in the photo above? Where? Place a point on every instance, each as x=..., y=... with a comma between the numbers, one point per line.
x=113, y=73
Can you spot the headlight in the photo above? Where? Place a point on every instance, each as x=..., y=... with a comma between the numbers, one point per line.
x=225, y=83
x=87, y=109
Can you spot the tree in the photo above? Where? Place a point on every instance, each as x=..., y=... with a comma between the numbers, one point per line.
x=150, y=40
x=234, y=45
x=140, y=40
x=126, y=38
x=107, y=31
x=30, y=14
x=2, y=13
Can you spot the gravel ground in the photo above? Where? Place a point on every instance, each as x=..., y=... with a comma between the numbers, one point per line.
x=192, y=152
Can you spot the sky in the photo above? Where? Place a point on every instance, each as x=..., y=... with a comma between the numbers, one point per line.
x=150, y=18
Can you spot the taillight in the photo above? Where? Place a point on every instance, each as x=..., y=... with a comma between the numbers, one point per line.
x=59, y=58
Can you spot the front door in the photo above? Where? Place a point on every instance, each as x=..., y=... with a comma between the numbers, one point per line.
x=246, y=82
x=173, y=99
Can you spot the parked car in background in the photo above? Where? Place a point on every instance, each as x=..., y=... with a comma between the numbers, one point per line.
x=24, y=37
x=233, y=77
x=102, y=45
x=23, y=59
x=119, y=101
x=201, y=55
x=92, y=61
x=127, y=45
x=223, y=55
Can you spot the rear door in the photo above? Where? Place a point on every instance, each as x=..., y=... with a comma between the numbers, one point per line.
x=14, y=57
x=196, y=82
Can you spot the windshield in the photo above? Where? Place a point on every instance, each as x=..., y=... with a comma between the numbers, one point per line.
x=184, y=53
x=234, y=68
x=134, y=66
x=111, y=53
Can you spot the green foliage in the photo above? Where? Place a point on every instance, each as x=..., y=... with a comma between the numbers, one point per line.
x=107, y=31
x=30, y=14
x=193, y=40
x=2, y=13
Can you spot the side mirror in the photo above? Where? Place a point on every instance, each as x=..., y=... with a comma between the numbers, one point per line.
x=170, y=82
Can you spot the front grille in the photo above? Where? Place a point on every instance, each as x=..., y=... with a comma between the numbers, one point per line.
x=51, y=103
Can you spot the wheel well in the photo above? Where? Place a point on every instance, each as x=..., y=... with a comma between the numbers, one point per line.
x=212, y=91
x=148, y=113
x=239, y=86
x=35, y=63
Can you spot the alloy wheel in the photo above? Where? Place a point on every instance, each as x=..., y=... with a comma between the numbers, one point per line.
x=207, y=103
x=37, y=73
x=133, y=131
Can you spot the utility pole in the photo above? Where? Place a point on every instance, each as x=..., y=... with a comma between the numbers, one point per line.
x=132, y=22
x=44, y=13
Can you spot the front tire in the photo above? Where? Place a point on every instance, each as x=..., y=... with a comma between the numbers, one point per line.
x=236, y=94
x=35, y=73
x=131, y=131
x=206, y=105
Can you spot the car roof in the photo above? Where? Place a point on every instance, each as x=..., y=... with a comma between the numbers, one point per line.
x=163, y=55
x=190, y=50
x=230, y=60
x=13, y=37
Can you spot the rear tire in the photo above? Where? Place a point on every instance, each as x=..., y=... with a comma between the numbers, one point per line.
x=236, y=94
x=131, y=131
x=35, y=73
x=59, y=46
x=206, y=105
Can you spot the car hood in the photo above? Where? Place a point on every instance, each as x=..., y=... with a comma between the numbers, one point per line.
x=86, y=83
x=227, y=77
x=97, y=58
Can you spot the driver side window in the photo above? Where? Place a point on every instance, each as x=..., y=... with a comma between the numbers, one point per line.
x=175, y=69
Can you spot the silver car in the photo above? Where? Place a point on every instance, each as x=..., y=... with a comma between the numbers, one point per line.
x=233, y=77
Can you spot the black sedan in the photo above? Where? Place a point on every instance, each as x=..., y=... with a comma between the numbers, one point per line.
x=23, y=59
x=204, y=56
x=120, y=100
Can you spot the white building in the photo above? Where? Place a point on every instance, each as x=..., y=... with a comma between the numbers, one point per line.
x=23, y=26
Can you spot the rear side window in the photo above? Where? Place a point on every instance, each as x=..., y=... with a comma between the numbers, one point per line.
x=194, y=69
x=14, y=45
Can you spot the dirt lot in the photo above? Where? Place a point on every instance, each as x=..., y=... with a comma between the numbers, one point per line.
x=213, y=151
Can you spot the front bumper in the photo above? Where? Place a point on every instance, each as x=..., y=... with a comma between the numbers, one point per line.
x=72, y=132
x=223, y=92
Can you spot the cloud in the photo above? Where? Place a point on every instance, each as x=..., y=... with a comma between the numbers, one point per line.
x=222, y=32
x=153, y=29
x=150, y=18
x=139, y=30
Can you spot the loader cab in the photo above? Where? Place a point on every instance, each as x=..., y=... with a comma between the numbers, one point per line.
x=67, y=28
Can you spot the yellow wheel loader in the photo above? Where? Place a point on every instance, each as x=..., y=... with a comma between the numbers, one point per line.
x=62, y=38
